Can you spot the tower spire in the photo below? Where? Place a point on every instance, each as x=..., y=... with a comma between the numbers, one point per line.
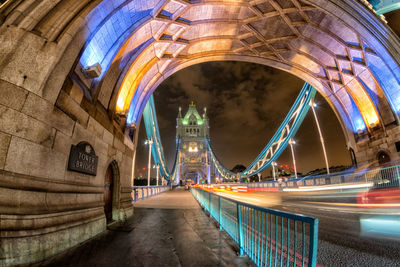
x=180, y=113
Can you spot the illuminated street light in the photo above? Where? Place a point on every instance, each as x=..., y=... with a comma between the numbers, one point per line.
x=150, y=143
x=273, y=169
x=157, y=167
x=313, y=105
x=291, y=143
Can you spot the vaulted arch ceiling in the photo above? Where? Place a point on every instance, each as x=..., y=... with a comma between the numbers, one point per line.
x=341, y=47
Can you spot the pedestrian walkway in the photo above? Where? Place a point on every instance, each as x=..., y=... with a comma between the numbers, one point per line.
x=175, y=199
x=169, y=229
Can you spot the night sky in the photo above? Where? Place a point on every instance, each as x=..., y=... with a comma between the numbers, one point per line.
x=245, y=103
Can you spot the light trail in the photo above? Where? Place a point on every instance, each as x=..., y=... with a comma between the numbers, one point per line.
x=371, y=205
x=327, y=187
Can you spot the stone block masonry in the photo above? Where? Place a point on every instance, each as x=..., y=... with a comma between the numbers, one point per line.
x=44, y=208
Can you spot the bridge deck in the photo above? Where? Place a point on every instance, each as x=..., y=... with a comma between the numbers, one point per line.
x=169, y=229
x=175, y=199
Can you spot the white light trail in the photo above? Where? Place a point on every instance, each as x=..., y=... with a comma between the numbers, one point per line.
x=327, y=187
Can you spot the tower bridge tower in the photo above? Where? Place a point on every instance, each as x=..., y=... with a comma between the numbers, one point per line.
x=193, y=160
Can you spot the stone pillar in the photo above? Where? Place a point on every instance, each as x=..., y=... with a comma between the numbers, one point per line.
x=367, y=150
x=45, y=208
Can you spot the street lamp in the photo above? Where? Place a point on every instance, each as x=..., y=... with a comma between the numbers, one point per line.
x=157, y=167
x=313, y=105
x=291, y=143
x=273, y=169
x=149, y=142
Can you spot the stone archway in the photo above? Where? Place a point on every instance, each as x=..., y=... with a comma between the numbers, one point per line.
x=112, y=192
x=342, y=56
x=383, y=158
x=193, y=176
x=108, y=193
x=343, y=49
x=82, y=70
x=353, y=157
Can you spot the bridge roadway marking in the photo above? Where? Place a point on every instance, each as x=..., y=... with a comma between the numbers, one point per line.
x=169, y=229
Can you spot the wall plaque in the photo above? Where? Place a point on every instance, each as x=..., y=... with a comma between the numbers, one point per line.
x=83, y=159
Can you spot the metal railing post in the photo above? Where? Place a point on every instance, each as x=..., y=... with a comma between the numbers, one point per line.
x=313, y=247
x=250, y=225
x=240, y=228
x=209, y=203
x=219, y=212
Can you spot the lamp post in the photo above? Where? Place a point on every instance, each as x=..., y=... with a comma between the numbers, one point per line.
x=273, y=170
x=150, y=143
x=157, y=167
x=313, y=105
x=291, y=143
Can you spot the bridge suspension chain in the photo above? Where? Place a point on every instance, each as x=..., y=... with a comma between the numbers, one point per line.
x=278, y=142
x=270, y=153
x=152, y=131
x=174, y=178
x=221, y=170
x=150, y=121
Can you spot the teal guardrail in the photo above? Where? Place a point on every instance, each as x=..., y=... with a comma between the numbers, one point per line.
x=269, y=237
x=142, y=192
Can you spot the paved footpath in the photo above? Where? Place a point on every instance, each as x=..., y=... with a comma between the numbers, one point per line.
x=169, y=229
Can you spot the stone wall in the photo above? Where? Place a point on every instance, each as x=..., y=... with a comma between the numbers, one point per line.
x=44, y=208
x=369, y=148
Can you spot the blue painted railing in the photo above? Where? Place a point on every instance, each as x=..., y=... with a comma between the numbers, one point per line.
x=269, y=237
x=143, y=192
x=379, y=177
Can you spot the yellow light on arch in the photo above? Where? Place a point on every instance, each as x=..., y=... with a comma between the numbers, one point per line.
x=130, y=84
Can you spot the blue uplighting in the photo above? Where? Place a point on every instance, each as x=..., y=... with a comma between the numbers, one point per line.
x=357, y=119
x=133, y=107
x=111, y=34
x=359, y=125
x=388, y=83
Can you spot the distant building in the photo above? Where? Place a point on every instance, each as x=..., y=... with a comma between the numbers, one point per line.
x=193, y=159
